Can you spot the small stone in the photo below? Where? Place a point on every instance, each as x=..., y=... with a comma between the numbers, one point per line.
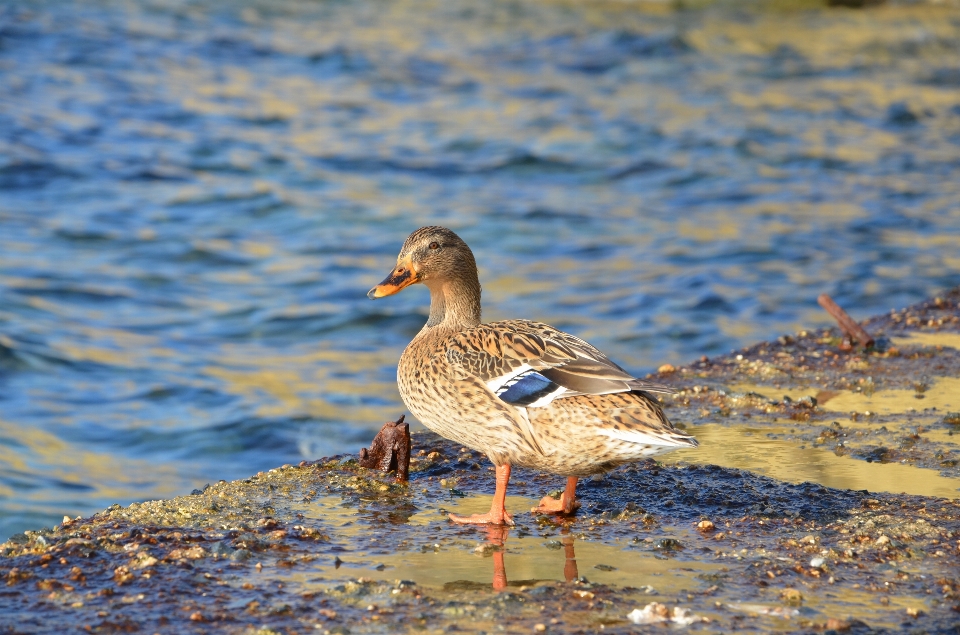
x=122, y=575
x=666, y=369
x=197, y=617
x=540, y=628
x=817, y=562
x=883, y=540
x=195, y=552
x=650, y=614
x=913, y=611
x=706, y=525
x=791, y=596
x=149, y=561
x=834, y=624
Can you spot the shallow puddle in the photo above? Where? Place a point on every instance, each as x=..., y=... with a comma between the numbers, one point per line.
x=465, y=561
x=750, y=448
x=863, y=605
x=942, y=393
x=851, y=603
x=481, y=559
x=926, y=338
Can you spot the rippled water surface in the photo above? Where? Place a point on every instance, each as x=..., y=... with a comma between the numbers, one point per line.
x=196, y=196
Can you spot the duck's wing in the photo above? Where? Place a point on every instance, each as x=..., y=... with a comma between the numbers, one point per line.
x=529, y=364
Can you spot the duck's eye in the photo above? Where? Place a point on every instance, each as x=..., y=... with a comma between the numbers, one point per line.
x=434, y=245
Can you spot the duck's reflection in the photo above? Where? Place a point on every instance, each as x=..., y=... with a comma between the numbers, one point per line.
x=497, y=536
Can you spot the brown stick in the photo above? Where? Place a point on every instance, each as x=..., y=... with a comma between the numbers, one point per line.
x=853, y=330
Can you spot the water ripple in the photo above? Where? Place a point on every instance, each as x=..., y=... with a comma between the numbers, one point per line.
x=194, y=201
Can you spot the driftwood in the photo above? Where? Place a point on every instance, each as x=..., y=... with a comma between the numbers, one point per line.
x=851, y=329
x=390, y=450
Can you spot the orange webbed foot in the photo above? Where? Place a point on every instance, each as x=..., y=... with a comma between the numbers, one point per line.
x=498, y=512
x=551, y=505
x=566, y=505
x=490, y=518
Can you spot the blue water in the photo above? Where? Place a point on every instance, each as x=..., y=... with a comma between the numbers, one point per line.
x=196, y=196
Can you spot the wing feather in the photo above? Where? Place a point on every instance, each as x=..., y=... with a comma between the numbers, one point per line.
x=500, y=352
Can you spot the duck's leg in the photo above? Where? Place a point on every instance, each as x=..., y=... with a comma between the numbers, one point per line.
x=498, y=512
x=567, y=504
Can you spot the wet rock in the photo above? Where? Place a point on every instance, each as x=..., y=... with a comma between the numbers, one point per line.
x=390, y=450
x=668, y=545
x=791, y=596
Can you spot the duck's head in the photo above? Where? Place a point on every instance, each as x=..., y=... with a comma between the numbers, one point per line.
x=431, y=255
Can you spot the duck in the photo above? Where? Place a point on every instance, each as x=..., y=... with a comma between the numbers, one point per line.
x=521, y=392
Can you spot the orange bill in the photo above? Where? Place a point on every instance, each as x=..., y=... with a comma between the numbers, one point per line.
x=402, y=276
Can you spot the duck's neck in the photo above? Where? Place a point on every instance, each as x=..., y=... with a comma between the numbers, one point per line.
x=454, y=303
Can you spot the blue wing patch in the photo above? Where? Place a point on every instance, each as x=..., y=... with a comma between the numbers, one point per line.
x=526, y=388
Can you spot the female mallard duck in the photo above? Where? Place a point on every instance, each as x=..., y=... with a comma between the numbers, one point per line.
x=521, y=392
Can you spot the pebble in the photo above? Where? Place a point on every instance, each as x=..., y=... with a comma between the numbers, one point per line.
x=791, y=596
x=817, y=562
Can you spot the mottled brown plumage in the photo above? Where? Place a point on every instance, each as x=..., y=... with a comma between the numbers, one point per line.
x=521, y=392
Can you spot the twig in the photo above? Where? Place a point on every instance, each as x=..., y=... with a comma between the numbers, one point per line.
x=847, y=324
